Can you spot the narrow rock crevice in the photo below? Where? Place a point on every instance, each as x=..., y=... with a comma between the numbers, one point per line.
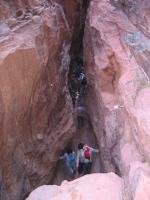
x=45, y=46
x=109, y=82
x=47, y=107
x=85, y=133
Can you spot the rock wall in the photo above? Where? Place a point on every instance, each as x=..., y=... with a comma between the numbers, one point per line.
x=36, y=114
x=116, y=53
x=17, y=7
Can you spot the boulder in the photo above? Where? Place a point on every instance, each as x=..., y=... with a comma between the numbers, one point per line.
x=94, y=186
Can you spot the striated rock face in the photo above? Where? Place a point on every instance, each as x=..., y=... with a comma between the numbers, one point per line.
x=17, y=7
x=95, y=186
x=36, y=114
x=116, y=52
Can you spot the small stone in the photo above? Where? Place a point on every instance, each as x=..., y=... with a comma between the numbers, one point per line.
x=36, y=18
x=4, y=29
x=39, y=136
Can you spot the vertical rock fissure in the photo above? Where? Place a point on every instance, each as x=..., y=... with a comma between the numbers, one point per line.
x=84, y=130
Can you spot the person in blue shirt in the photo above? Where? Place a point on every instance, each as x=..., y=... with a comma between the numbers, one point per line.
x=70, y=162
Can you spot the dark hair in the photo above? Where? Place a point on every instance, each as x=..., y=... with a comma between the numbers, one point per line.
x=80, y=146
x=69, y=150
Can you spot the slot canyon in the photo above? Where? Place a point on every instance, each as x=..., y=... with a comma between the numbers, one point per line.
x=42, y=43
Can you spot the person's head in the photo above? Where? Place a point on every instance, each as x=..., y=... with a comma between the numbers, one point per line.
x=80, y=146
x=86, y=146
x=69, y=150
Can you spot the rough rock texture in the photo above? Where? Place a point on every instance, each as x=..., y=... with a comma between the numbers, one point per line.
x=116, y=53
x=36, y=114
x=95, y=186
x=16, y=8
x=139, y=181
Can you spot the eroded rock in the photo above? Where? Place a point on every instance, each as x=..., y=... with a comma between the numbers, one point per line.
x=118, y=98
x=36, y=113
x=95, y=186
x=139, y=181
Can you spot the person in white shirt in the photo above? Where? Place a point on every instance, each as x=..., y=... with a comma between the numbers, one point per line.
x=80, y=159
x=88, y=152
x=84, y=158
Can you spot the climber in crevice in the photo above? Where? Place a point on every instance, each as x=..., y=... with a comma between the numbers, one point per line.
x=84, y=158
x=81, y=115
x=69, y=158
x=80, y=76
x=77, y=81
x=73, y=88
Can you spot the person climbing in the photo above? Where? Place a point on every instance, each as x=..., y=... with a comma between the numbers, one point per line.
x=80, y=162
x=80, y=76
x=74, y=87
x=83, y=85
x=84, y=158
x=70, y=161
x=78, y=72
x=80, y=111
x=88, y=151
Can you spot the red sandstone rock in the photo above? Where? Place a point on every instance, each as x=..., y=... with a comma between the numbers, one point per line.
x=35, y=108
x=116, y=49
x=36, y=114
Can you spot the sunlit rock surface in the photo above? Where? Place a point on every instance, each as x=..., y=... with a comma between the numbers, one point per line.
x=96, y=186
x=139, y=181
x=116, y=51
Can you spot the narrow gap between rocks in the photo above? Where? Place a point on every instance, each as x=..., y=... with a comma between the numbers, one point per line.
x=78, y=92
x=84, y=131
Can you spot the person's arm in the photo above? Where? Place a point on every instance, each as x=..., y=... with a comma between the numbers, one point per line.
x=63, y=157
x=75, y=155
x=94, y=150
